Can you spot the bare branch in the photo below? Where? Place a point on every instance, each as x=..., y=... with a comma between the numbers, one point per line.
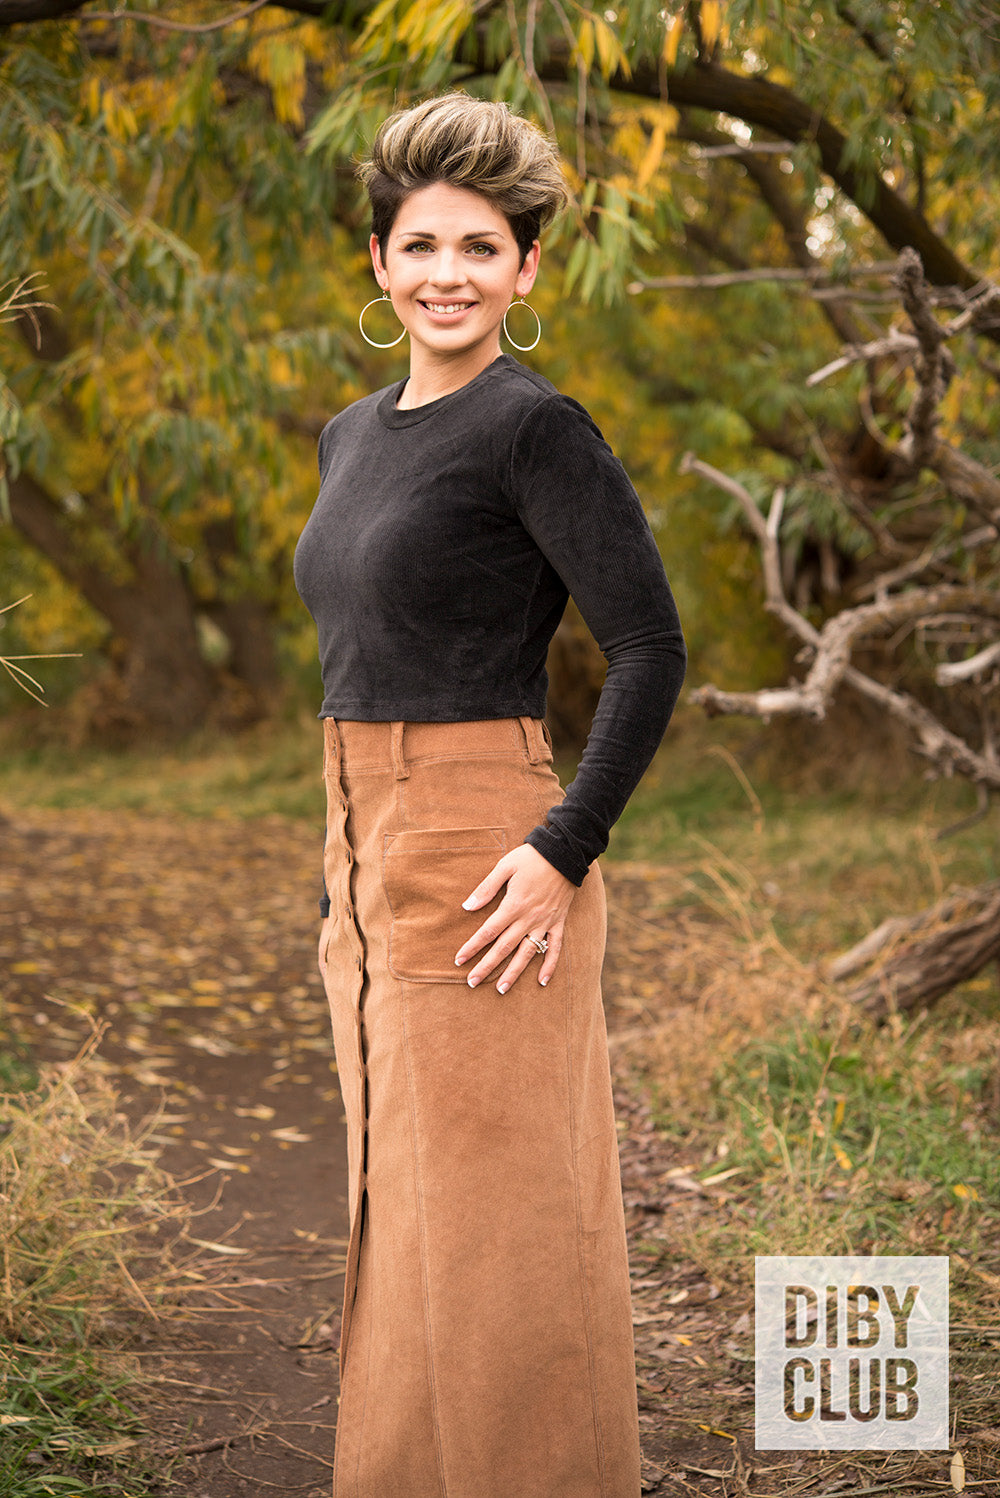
x=951, y=672
x=945, y=750
x=933, y=367
x=833, y=645
x=967, y=480
x=165, y=25
x=969, y=541
x=754, y=147
x=819, y=276
x=857, y=353
x=767, y=534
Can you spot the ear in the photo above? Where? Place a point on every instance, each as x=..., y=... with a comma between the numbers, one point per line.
x=381, y=274
x=529, y=270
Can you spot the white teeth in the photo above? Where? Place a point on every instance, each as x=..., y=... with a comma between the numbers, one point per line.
x=447, y=306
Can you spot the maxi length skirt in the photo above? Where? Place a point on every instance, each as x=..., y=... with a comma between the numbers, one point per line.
x=486, y=1346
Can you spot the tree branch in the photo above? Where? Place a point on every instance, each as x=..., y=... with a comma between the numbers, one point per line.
x=832, y=648
x=954, y=941
x=153, y=20
x=772, y=107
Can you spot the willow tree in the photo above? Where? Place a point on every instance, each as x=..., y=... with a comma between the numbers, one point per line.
x=182, y=174
x=159, y=415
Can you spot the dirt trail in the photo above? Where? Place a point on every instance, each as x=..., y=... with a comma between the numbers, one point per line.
x=194, y=943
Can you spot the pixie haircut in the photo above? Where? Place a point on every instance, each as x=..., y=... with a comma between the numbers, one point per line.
x=470, y=143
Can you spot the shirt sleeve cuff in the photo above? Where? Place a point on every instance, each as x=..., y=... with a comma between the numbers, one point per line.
x=555, y=851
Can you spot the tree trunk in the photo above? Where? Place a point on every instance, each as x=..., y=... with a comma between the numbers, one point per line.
x=929, y=953
x=576, y=670
x=161, y=680
x=253, y=660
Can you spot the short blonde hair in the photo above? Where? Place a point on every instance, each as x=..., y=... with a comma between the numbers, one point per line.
x=474, y=144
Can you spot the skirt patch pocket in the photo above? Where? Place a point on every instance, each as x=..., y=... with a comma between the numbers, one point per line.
x=427, y=873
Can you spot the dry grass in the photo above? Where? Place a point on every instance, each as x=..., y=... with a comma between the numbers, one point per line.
x=93, y=1242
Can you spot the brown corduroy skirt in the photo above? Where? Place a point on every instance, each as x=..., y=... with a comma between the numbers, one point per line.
x=486, y=1348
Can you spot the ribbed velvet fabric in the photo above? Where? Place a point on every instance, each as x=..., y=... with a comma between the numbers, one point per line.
x=486, y=1348
x=437, y=562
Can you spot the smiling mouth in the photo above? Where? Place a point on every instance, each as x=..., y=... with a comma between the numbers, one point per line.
x=445, y=307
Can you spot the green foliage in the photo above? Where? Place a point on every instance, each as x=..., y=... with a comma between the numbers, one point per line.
x=828, y=1113
x=189, y=198
x=63, y=1419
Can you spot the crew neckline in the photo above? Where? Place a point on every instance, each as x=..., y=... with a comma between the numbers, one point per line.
x=391, y=416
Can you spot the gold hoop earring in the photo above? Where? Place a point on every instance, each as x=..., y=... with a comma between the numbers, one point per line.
x=361, y=324
x=525, y=348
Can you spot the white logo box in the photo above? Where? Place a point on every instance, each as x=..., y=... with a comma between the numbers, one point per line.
x=851, y=1353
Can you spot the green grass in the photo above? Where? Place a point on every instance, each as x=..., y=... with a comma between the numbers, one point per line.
x=66, y=1427
x=862, y=1138
x=276, y=769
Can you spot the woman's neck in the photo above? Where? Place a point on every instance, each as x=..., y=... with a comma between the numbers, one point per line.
x=430, y=379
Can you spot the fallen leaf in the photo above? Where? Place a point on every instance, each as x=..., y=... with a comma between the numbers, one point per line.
x=261, y=1110
x=957, y=1473
x=218, y=1248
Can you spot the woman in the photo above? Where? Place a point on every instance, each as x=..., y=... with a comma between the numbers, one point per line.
x=486, y=1348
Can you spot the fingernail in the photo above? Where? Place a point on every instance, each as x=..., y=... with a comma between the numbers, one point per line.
x=543, y=981
x=458, y=962
x=473, y=982
x=469, y=904
x=502, y=987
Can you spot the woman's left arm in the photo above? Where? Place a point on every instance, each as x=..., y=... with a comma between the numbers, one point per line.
x=579, y=506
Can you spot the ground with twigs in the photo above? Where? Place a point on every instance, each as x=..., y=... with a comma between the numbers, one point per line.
x=742, y=1091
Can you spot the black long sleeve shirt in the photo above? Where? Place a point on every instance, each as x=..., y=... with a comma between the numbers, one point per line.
x=438, y=560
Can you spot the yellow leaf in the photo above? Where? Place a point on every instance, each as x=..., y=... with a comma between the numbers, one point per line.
x=24, y=967
x=957, y=1473
x=292, y=1135
x=608, y=50
x=711, y=21
x=654, y=155
x=965, y=1193
x=260, y=1110
x=112, y=1448
x=713, y=1430
x=585, y=44
x=842, y=1157
x=672, y=40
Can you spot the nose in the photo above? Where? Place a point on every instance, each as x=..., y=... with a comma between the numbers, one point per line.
x=447, y=270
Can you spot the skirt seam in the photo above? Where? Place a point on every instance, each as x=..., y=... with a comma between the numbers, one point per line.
x=580, y=1236
x=422, y=1238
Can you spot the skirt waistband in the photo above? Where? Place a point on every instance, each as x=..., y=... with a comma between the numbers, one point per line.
x=351, y=745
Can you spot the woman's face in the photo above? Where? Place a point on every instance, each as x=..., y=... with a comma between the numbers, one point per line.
x=452, y=268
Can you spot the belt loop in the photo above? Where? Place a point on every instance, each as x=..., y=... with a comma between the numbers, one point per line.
x=398, y=758
x=530, y=729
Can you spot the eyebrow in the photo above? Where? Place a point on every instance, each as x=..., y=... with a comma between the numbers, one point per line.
x=429, y=234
